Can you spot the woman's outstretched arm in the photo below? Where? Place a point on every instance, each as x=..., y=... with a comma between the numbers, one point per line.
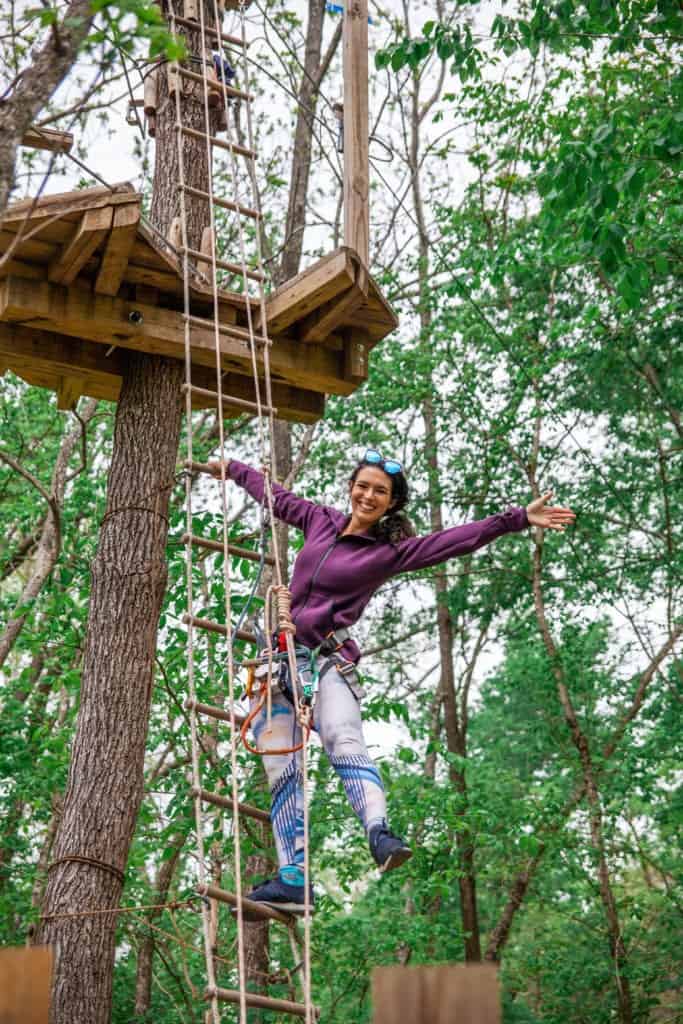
x=421, y=552
x=294, y=511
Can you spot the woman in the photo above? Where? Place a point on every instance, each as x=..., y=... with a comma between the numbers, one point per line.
x=344, y=560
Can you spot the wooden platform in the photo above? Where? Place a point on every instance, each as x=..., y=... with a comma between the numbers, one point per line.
x=87, y=279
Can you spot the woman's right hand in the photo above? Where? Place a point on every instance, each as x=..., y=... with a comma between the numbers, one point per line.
x=215, y=468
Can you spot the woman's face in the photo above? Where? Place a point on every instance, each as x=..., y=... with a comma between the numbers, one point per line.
x=370, y=495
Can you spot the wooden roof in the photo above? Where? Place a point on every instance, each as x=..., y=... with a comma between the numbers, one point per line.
x=78, y=264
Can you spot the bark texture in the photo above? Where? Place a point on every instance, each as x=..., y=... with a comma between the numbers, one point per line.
x=36, y=84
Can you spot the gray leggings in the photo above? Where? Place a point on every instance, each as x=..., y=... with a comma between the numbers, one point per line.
x=337, y=720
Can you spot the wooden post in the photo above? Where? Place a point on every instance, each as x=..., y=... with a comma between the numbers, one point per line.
x=447, y=994
x=356, y=129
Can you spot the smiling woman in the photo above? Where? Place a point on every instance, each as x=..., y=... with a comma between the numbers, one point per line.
x=344, y=560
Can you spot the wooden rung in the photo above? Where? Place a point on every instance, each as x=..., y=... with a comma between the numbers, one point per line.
x=216, y=627
x=213, y=712
x=226, y=204
x=231, y=330
x=233, y=549
x=253, y=906
x=234, y=268
x=214, y=85
x=226, y=803
x=49, y=139
x=232, y=147
x=231, y=995
x=241, y=403
x=228, y=40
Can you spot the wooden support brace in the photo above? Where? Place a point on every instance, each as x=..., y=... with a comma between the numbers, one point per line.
x=356, y=349
x=118, y=249
x=93, y=227
x=151, y=98
x=69, y=390
x=49, y=139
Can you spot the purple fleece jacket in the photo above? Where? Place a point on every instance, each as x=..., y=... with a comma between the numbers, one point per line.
x=334, y=577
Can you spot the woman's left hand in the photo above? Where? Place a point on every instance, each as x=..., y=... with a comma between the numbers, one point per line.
x=549, y=517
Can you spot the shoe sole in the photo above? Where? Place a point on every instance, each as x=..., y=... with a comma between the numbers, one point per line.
x=296, y=909
x=395, y=859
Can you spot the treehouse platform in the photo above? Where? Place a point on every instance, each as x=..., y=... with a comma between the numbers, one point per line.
x=83, y=278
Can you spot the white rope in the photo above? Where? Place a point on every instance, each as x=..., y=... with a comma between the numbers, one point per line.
x=269, y=463
x=267, y=453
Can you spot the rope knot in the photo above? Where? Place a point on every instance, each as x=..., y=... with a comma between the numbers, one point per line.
x=283, y=600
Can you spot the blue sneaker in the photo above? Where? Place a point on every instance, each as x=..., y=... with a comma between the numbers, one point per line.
x=280, y=894
x=388, y=850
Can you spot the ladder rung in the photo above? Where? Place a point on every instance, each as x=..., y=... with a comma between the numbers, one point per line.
x=232, y=147
x=230, y=400
x=215, y=84
x=253, y=906
x=217, y=627
x=226, y=803
x=234, y=268
x=217, y=545
x=231, y=995
x=231, y=330
x=213, y=712
x=226, y=204
x=229, y=40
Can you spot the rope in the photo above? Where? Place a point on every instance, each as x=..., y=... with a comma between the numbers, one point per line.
x=77, y=858
x=175, y=905
x=277, y=591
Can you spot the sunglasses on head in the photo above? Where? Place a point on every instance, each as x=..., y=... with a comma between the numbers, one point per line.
x=374, y=458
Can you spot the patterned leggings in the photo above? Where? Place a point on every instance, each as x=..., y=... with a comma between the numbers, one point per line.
x=337, y=720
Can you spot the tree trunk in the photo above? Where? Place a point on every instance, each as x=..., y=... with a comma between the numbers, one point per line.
x=105, y=783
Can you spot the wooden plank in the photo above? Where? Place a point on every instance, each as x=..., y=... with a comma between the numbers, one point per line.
x=444, y=994
x=83, y=314
x=93, y=227
x=64, y=203
x=49, y=139
x=69, y=390
x=253, y=907
x=43, y=359
x=25, y=977
x=356, y=349
x=118, y=248
x=325, y=320
x=306, y=292
x=356, y=129
x=231, y=995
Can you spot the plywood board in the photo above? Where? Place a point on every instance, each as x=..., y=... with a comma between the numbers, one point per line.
x=444, y=994
x=25, y=978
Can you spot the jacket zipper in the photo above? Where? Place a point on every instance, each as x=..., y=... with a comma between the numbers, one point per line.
x=323, y=558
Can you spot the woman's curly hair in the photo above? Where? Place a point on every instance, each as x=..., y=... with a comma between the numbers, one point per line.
x=394, y=526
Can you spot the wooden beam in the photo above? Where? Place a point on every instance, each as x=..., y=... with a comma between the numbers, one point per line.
x=80, y=313
x=321, y=324
x=63, y=203
x=93, y=227
x=447, y=994
x=46, y=359
x=49, y=139
x=306, y=292
x=356, y=349
x=69, y=390
x=118, y=248
x=356, y=129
